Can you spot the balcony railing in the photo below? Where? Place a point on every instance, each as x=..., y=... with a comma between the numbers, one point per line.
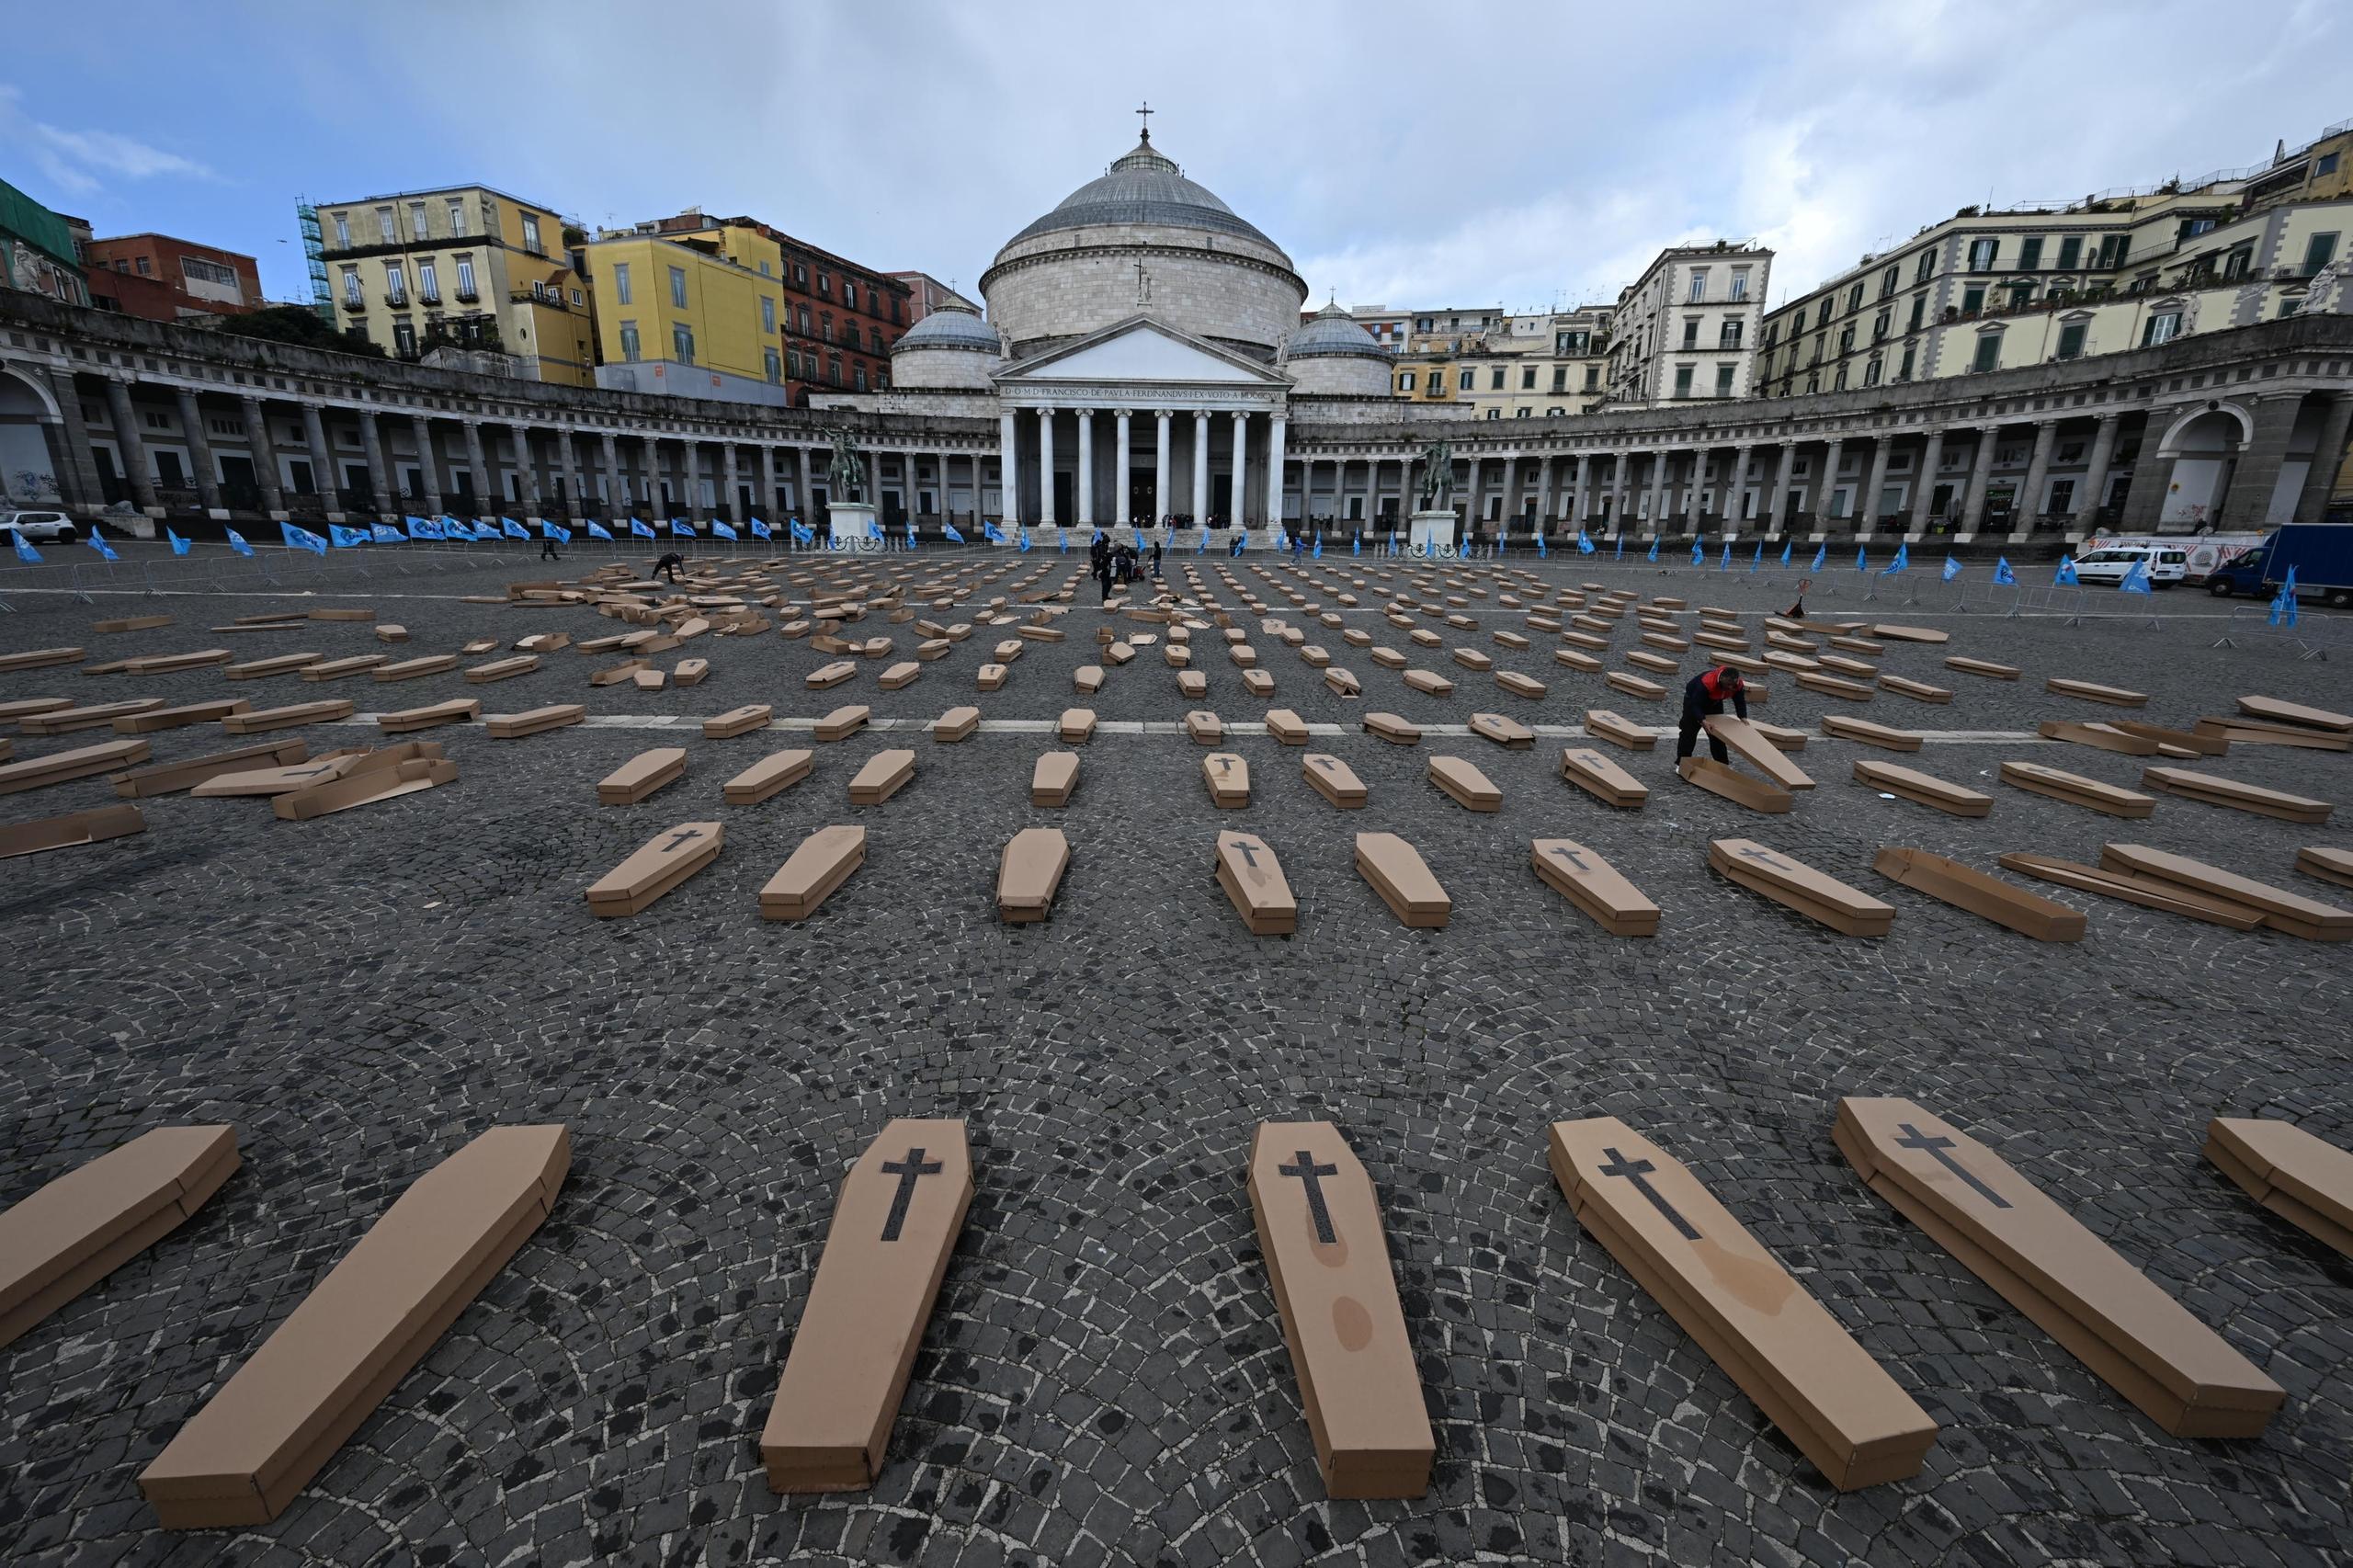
x=428, y=296
x=396, y=297
x=468, y=296
x=355, y=302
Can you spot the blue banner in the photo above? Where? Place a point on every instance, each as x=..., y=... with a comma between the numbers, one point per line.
x=2066, y=576
x=680, y=530
x=761, y=529
x=179, y=545
x=97, y=541
x=1820, y=554
x=24, y=552
x=950, y=530
x=1952, y=569
x=1653, y=554
x=384, y=533
x=598, y=530
x=2003, y=574
x=513, y=529
x=723, y=530
x=237, y=542
x=2136, y=581
x=345, y=537
x=301, y=539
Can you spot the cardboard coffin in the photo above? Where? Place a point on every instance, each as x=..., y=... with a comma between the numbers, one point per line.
x=1028, y=873
x=958, y=723
x=1731, y=1295
x=1509, y=733
x=2258, y=732
x=40, y=658
x=503, y=669
x=457, y=710
x=1227, y=778
x=2091, y=691
x=2150, y=892
x=1053, y=778
x=1747, y=742
x=1594, y=886
x=821, y=862
x=97, y=716
x=1839, y=664
x=62, y=766
x=1253, y=880
x=170, y=777
x=531, y=720
x=738, y=721
x=1834, y=685
x=2281, y=910
x=1460, y=782
x=1392, y=729
x=1986, y=668
x=765, y=778
x=1287, y=727
x=363, y=788
x=843, y=722
x=1635, y=686
x=2076, y=789
x=69, y=832
x=2100, y=737
x=73, y=1232
x=1342, y=682
x=1520, y=685
x=1396, y=872
x=1319, y=1230
x=1756, y=794
x=829, y=675
x=1925, y=789
x=991, y=676
x=2065, y=1279
x=1918, y=690
x=1658, y=664
x=1077, y=726
x=132, y=623
x=1576, y=659
x=894, y=1227
x=1333, y=779
x=343, y=615
x=2330, y=865
x=884, y=775
x=2216, y=790
x=2306, y=1180
x=1429, y=683
x=1839, y=727
x=668, y=858
x=1192, y=685
x=410, y=669
x=1965, y=887
x=1603, y=725
x=2188, y=740
x=641, y=775
x=1591, y=771
x=339, y=669
x=282, y=1416
x=1849, y=911
x=27, y=707
x=257, y=721
x=2274, y=711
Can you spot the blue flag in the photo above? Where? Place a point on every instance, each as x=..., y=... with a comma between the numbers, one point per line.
x=1319, y=547
x=513, y=529
x=1861, y=565
x=179, y=545
x=873, y=528
x=1203, y=548
x=97, y=541
x=24, y=552
x=2136, y=581
x=1903, y=557
x=384, y=533
x=346, y=537
x=1238, y=542
x=1699, y=553
x=639, y=529
x=679, y=529
x=949, y=529
x=1585, y=545
x=1022, y=532
x=1653, y=555
x=1542, y=553
x=990, y=532
x=801, y=532
x=2001, y=573
x=1820, y=554
x=2066, y=576
x=1785, y=553
x=1620, y=553
x=1725, y=565
x=1952, y=569
x=1759, y=559
x=1356, y=546
x=237, y=542
x=417, y=528
x=2283, y=604
x=303, y=539
x=761, y=529
x=598, y=530
x=722, y=529
x=911, y=533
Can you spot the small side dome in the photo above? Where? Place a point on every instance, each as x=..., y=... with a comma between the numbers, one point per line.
x=1335, y=332
x=955, y=327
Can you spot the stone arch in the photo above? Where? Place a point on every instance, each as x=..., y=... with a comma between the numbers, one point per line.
x=27, y=413
x=2202, y=450
x=2203, y=427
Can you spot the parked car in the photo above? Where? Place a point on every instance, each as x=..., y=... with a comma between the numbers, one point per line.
x=2166, y=565
x=2322, y=554
x=38, y=528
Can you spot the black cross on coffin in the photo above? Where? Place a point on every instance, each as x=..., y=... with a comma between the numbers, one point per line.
x=681, y=836
x=1309, y=1175
x=909, y=1171
x=1639, y=1172
x=1935, y=1148
x=1249, y=856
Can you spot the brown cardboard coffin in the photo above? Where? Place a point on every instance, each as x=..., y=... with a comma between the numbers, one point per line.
x=2281, y=910
x=71, y=831
x=1925, y=789
x=1918, y=690
x=391, y=633
x=1658, y=664
x=2272, y=710
x=2150, y=892
x=1750, y=745
x=1520, y=685
x=1635, y=686
x=1509, y=733
x=829, y=675
x=1242, y=656
x=2115, y=696
x=821, y=863
x=254, y=722
x=132, y=623
x=1460, y=782
x=1472, y=659
x=691, y=672
x=282, y=1416
x=1584, y=641
x=1849, y=911
x=2306, y=1180
x=1429, y=683
x=1578, y=660
x=1756, y=794
x=1667, y=640
x=900, y=675
x=1342, y=682
x=1721, y=642
x=169, y=777
x=1333, y=779
x=339, y=669
x=1392, y=729
x=991, y=676
x=1119, y=654
x=1801, y=665
x=1253, y=880
x=410, y=669
x=2217, y=791
x=1397, y=873
x=626, y=672
x=2327, y=864
x=843, y=722
x=96, y=716
x=503, y=669
x=1088, y=679
x=78, y=762
x=1839, y=664
x=363, y=788
x=2258, y=732
x=1986, y=668
x=1790, y=1355
x=1227, y=778
x=1028, y=872
x=1077, y=726
x=2190, y=741
x=531, y=720
x=1834, y=685
x=1603, y=725
x=959, y=724
x=343, y=615
x=73, y=1232
x=1840, y=727
x=668, y=858
x=638, y=777
x=1053, y=778
x=2100, y=737
x=649, y=679
x=40, y=658
x=1204, y=728
x=2061, y=1277
x=457, y=710
x=1257, y=683
x=1595, y=886
x=1591, y=771
x=1287, y=727
x=29, y=707
x=172, y=664
x=154, y=719
x=894, y=1229
x=773, y=773
x=884, y=775
x=738, y=721
x=2075, y=789
x=1965, y=887
x=1192, y=685
x=305, y=771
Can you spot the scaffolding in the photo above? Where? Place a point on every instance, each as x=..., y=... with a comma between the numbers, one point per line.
x=306, y=217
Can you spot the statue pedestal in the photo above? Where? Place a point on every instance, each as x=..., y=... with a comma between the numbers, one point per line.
x=1430, y=528
x=850, y=521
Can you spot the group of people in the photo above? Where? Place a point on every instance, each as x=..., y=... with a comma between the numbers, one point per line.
x=1116, y=564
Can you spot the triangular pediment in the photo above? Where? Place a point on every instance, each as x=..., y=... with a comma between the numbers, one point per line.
x=1141, y=349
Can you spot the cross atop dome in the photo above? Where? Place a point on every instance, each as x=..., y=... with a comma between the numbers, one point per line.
x=1146, y=113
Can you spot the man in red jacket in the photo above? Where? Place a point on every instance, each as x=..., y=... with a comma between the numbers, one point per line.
x=1705, y=693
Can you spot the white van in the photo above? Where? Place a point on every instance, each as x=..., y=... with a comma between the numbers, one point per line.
x=2167, y=564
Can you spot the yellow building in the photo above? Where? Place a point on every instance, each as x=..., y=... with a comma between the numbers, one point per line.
x=461, y=266
x=693, y=308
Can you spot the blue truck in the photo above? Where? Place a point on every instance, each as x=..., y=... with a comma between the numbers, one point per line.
x=2322, y=554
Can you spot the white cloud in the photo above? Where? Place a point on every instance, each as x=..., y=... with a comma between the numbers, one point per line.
x=76, y=162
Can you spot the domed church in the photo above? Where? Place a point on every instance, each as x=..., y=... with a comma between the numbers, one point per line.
x=1141, y=353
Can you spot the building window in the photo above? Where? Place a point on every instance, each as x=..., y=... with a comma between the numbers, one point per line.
x=428, y=281
x=858, y=375
x=1405, y=380
x=2070, y=340
x=384, y=223
x=1989, y=352
x=1496, y=378
x=1469, y=380
x=1972, y=298
x=531, y=234
x=2030, y=254
x=1739, y=284
x=466, y=277
x=2071, y=252
x=417, y=224
x=2113, y=250
x=621, y=295
x=2235, y=265
x=1560, y=377
x=2162, y=328
x=834, y=369
x=1683, y=381
x=1691, y=331
x=351, y=285
x=1847, y=339
x=679, y=287
x=405, y=340
x=2318, y=251
x=1928, y=268
x=1528, y=378
x=1822, y=316
x=1724, y=374
x=1593, y=378
x=1838, y=382
x=799, y=275
x=767, y=314
x=1983, y=254
x=2289, y=303
x=2326, y=163
x=1871, y=373
x=1699, y=285
x=776, y=366
x=342, y=230
x=456, y=215
x=630, y=350
x=682, y=343
x=874, y=338
x=1855, y=298
x=824, y=285
x=1887, y=283
x=849, y=299
x=1729, y=335
x=395, y=284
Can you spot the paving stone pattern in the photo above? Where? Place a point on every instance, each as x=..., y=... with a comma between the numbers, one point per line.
x=1105, y=1380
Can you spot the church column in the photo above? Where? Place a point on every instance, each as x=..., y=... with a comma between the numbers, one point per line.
x=1866, y=513
x=326, y=479
x=1240, y=489
x=1122, y=502
x=1161, y=507
x=1622, y=470
x=617, y=505
x=1511, y=494
x=1825, y=495
x=1924, y=489
x=1086, y=488
x=1659, y=491
x=804, y=498
x=1046, y=465
x=429, y=470
x=1543, y=494
x=1470, y=496
x=1734, y=505
x=1275, y=476
x=1776, y=498
x=273, y=499
x=478, y=469
x=768, y=481
x=534, y=509
x=731, y=504
x=132, y=446
x=380, y=484
x=199, y=449
x=1576, y=492
x=1008, y=469
x=1201, y=497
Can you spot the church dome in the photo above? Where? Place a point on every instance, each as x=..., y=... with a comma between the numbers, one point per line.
x=1335, y=332
x=954, y=327
x=1144, y=187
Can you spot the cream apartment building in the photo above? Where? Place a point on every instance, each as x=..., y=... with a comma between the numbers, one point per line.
x=1686, y=331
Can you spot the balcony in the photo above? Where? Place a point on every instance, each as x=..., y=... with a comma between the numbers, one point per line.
x=397, y=298
x=428, y=296
x=468, y=296
x=355, y=302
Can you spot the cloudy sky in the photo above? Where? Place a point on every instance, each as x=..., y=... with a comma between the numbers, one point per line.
x=1464, y=154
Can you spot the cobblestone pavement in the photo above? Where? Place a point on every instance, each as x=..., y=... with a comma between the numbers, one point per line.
x=1105, y=1380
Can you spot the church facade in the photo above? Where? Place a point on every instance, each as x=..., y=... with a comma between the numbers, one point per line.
x=1145, y=361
